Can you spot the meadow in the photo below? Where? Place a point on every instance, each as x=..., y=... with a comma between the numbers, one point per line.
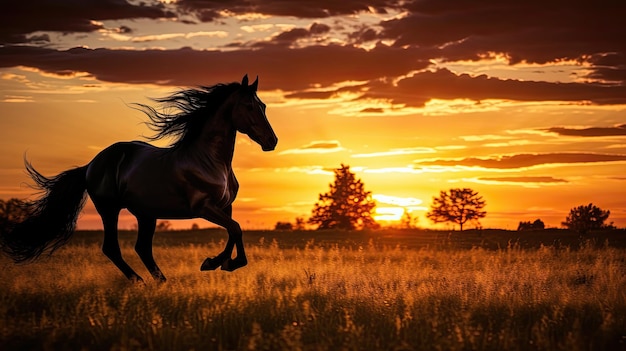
x=380, y=290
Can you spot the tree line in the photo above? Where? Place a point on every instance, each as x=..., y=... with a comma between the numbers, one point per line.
x=348, y=206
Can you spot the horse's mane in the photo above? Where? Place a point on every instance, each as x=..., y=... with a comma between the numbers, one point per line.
x=192, y=108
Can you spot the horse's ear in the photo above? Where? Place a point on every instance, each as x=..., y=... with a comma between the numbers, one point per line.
x=244, y=81
x=255, y=85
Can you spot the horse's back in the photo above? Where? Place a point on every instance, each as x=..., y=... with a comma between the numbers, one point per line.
x=105, y=170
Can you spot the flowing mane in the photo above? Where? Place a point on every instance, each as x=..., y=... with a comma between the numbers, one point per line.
x=192, y=108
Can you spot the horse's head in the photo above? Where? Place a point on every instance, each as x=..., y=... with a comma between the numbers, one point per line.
x=249, y=116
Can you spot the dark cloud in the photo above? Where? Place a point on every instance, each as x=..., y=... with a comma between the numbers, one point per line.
x=590, y=132
x=372, y=110
x=319, y=28
x=278, y=68
x=524, y=160
x=524, y=179
x=421, y=87
x=289, y=37
x=209, y=10
x=296, y=70
x=530, y=31
x=20, y=18
x=444, y=84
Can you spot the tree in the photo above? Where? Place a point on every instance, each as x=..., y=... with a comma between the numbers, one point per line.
x=407, y=221
x=12, y=211
x=300, y=224
x=536, y=225
x=283, y=226
x=163, y=226
x=457, y=206
x=583, y=218
x=346, y=206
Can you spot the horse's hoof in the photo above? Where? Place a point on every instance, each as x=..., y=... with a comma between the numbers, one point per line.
x=211, y=264
x=230, y=265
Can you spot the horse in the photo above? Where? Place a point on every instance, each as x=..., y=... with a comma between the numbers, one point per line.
x=191, y=178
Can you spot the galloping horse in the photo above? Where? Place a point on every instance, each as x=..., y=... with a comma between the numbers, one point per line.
x=193, y=178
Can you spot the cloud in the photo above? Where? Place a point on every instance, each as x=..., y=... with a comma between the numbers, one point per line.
x=17, y=98
x=291, y=36
x=316, y=147
x=424, y=86
x=398, y=67
x=524, y=31
x=167, y=36
x=524, y=179
x=527, y=182
x=619, y=130
x=21, y=18
x=372, y=110
x=312, y=170
x=397, y=152
x=421, y=87
x=397, y=201
x=188, y=67
x=524, y=160
x=213, y=10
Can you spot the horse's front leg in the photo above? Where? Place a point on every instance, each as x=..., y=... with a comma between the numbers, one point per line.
x=235, y=238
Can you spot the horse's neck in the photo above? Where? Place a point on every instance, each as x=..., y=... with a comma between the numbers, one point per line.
x=218, y=146
x=216, y=143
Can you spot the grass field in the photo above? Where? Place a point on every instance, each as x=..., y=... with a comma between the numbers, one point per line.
x=384, y=290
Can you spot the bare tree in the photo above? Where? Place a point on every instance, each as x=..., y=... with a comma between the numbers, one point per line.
x=457, y=206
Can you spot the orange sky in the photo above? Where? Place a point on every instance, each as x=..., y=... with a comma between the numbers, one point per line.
x=523, y=102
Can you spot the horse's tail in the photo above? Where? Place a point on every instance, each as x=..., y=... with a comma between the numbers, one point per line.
x=50, y=220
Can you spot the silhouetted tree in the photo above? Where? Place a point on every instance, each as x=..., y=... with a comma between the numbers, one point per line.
x=408, y=221
x=583, y=218
x=457, y=206
x=283, y=226
x=300, y=224
x=163, y=226
x=12, y=211
x=346, y=206
x=536, y=225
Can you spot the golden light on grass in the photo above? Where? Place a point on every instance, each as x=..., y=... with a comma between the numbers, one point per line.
x=323, y=296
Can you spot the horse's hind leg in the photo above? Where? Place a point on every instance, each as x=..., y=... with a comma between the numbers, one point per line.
x=111, y=245
x=143, y=247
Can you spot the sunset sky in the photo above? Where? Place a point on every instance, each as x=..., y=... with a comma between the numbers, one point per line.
x=522, y=101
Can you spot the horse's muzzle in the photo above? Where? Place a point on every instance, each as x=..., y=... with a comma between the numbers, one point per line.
x=270, y=146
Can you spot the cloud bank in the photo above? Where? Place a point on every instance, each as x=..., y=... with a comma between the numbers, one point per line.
x=392, y=58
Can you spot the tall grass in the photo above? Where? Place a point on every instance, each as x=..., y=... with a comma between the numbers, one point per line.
x=321, y=297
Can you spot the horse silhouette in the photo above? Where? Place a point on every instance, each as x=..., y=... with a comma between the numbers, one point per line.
x=192, y=178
